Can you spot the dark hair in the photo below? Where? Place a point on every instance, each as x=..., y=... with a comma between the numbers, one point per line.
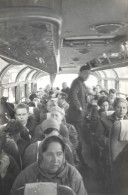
x=104, y=91
x=22, y=105
x=50, y=139
x=63, y=95
x=96, y=97
x=112, y=91
x=13, y=127
x=85, y=67
x=102, y=100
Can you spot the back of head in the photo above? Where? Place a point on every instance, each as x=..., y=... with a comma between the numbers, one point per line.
x=13, y=127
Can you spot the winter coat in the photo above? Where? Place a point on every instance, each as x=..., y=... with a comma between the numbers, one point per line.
x=7, y=182
x=77, y=99
x=66, y=175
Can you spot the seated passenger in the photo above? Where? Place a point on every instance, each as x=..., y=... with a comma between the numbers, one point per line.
x=104, y=129
x=49, y=127
x=51, y=167
x=103, y=103
x=119, y=157
x=15, y=132
x=111, y=97
x=44, y=113
x=22, y=114
x=62, y=97
x=103, y=93
x=8, y=169
x=65, y=88
x=58, y=114
x=105, y=123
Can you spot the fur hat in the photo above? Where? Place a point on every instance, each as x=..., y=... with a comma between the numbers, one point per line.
x=50, y=123
x=58, y=109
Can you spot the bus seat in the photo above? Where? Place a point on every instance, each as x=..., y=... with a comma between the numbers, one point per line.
x=40, y=188
x=44, y=188
x=118, y=138
x=65, y=190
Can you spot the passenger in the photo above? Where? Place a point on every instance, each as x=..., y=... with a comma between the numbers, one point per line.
x=15, y=132
x=103, y=103
x=7, y=110
x=103, y=93
x=8, y=168
x=104, y=129
x=58, y=114
x=105, y=123
x=44, y=113
x=62, y=101
x=47, y=89
x=51, y=167
x=77, y=100
x=49, y=127
x=96, y=90
x=22, y=114
x=112, y=97
x=119, y=157
x=65, y=88
x=32, y=96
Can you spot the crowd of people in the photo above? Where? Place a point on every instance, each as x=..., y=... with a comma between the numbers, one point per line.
x=48, y=136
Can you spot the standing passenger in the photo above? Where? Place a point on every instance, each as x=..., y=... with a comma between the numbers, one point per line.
x=77, y=99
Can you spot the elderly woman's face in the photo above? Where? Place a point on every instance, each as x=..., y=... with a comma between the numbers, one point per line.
x=57, y=115
x=53, y=158
x=121, y=109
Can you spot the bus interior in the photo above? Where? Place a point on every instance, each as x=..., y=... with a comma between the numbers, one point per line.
x=47, y=41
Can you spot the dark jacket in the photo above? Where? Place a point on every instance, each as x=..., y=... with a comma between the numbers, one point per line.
x=31, y=124
x=104, y=128
x=67, y=175
x=77, y=99
x=7, y=182
x=67, y=90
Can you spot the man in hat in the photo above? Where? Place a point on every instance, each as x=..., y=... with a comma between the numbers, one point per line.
x=77, y=99
x=51, y=167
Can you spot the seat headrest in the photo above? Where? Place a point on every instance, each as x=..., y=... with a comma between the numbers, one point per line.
x=47, y=188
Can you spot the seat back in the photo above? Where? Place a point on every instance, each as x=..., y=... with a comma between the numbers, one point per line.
x=44, y=188
x=64, y=190
x=41, y=188
x=118, y=138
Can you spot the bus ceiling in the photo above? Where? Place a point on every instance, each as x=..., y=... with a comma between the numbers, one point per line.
x=61, y=35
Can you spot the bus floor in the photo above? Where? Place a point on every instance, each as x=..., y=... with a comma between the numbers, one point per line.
x=92, y=183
